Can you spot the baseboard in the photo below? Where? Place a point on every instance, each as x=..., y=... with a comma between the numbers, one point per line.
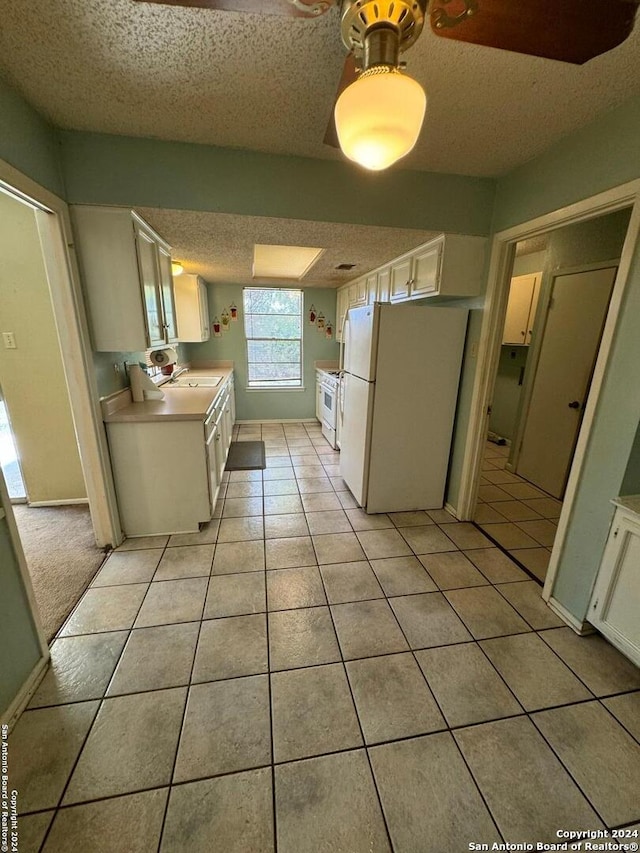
x=25, y=693
x=69, y=502
x=581, y=628
x=451, y=509
x=281, y=421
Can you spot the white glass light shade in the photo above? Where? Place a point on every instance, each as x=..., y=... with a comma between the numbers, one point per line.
x=379, y=117
x=176, y=268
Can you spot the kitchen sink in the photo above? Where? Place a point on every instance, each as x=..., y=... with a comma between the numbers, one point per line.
x=186, y=381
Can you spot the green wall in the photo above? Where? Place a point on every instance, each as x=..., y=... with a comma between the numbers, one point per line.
x=231, y=346
x=108, y=380
x=19, y=647
x=507, y=390
x=602, y=155
x=28, y=142
x=119, y=170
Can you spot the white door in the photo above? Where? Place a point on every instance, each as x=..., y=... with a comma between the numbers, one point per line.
x=355, y=435
x=361, y=342
x=575, y=320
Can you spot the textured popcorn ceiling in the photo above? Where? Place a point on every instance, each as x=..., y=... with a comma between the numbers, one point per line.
x=219, y=246
x=266, y=83
x=531, y=245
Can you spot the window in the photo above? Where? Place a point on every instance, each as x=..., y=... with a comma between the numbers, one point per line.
x=273, y=328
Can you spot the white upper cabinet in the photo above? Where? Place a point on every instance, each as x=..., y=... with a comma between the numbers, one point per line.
x=521, y=309
x=192, y=308
x=358, y=293
x=342, y=306
x=450, y=265
x=400, y=288
x=384, y=284
x=126, y=275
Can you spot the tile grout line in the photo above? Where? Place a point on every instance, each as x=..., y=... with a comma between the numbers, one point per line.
x=95, y=716
x=184, y=714
x=357, y=715
x=270, y=699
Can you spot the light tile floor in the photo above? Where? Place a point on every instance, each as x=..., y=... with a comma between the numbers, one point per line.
x=519, y=517
x=301, y=676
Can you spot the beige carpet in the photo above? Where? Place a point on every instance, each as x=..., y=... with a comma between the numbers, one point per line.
x=62, y=557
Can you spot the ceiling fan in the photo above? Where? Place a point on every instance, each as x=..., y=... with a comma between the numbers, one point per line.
x=377, y=31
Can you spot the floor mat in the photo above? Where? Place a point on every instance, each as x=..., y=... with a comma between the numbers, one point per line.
x=246, y=456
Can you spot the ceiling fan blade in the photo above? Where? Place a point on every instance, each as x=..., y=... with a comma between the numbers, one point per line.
x=289, y=8
x=566, y=30
x=349, y=74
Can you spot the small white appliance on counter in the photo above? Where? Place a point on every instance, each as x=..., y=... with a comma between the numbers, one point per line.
x=398, y=401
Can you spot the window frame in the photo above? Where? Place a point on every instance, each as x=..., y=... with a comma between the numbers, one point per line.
x=274, y=386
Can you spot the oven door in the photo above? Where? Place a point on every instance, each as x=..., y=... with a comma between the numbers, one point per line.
x=328, y=404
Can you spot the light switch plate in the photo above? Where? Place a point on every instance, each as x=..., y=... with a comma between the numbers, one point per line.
x=9, y=340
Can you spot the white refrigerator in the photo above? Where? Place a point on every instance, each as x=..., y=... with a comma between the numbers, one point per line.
x=398, y=402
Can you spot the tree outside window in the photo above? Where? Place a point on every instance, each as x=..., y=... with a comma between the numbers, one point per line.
x=273, y=329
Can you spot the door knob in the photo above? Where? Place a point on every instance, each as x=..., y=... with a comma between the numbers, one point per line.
x=575, y=404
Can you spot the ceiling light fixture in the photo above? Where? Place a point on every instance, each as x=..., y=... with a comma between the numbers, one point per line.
x=379, y=116
x=176, y=268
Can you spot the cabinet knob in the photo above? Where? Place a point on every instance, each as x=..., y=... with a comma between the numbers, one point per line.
x=575, y=404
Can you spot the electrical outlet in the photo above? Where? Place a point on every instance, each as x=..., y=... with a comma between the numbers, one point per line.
x=9, y=340
x=116, y=369
x=474, y=350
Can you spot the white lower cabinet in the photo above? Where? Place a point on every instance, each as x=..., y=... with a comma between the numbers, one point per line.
x=168, y=473
x=615, y=603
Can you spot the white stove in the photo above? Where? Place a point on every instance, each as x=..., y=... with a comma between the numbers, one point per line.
x=329, y=391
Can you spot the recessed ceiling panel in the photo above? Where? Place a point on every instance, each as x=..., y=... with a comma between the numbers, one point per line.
x=288, y=262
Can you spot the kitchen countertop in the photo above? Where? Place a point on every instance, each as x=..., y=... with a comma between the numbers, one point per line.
x=179, y=404
x=629, y=502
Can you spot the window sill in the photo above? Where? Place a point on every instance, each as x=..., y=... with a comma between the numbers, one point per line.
x=286, y=388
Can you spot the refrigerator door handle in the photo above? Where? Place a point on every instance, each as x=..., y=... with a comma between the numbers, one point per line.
x=343, y=346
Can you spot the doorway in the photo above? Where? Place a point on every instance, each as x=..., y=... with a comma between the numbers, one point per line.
x=41, y=459
x=561, y=286
x=9, y=458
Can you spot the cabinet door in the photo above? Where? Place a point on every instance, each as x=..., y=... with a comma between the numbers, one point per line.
x=426, y=271
x=168, y=303
x=362, y=290
x=372, y=289
x=616, y=596
x=518, y=310
x=228, y=425
x=318, y=400
x=232, y=401
x=400, y=276
x=213, y=445
x=342, y=306
x=383, y=285
x=150, y=283
x=203, y=300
